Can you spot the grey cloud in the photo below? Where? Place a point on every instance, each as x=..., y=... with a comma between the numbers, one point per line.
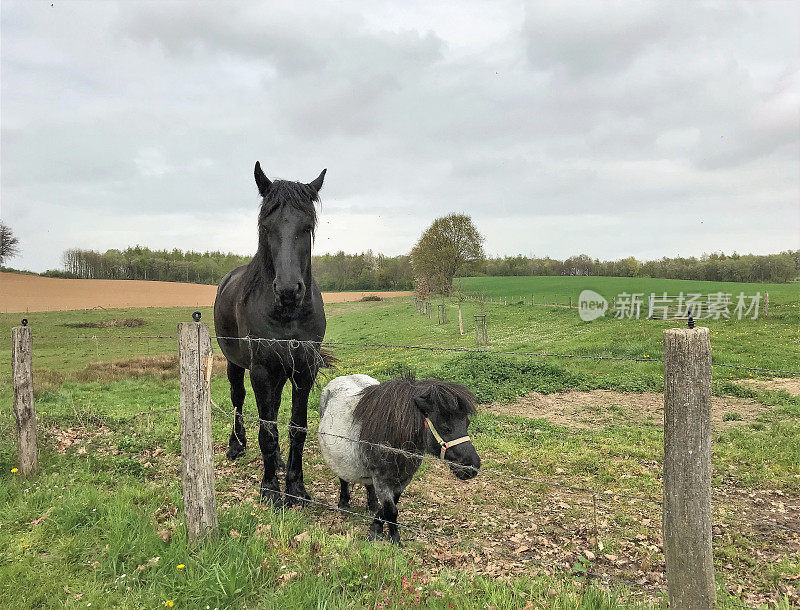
x=522, y=115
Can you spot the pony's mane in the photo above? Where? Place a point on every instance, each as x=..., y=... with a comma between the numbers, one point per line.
x=281, y=193
x=388, y=415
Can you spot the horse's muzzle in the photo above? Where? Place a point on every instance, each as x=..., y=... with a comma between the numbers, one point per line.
x=289, y=296
x=465, y=472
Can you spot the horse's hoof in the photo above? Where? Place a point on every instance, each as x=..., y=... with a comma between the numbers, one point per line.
x=343, y=506
x=297, y=496
x=234, y=451
x=396, y=542
x=375, y=534
x=272, y=497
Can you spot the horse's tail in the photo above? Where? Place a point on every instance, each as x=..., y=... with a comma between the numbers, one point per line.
x=329, y=361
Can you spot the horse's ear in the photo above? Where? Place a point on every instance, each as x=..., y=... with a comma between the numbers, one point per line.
x=316, y=184
x=262, y=182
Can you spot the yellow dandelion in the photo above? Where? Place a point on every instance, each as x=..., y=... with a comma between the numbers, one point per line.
x=15, y=470
x=169, y=603
x=180, y=566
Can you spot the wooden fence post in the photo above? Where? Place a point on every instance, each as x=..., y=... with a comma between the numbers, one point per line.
x=441, y=314
x=197, y=457
x=544, y=301
x=460, y=322
x=766, y=303
x=687, y=469
x=24, y=408
x=481, y=334
x=533, y=301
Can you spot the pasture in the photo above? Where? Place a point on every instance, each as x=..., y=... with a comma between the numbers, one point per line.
x=105, y=514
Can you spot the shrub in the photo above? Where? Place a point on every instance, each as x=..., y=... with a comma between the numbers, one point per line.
x=504, y=378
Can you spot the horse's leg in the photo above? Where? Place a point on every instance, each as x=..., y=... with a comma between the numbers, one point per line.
x=267, y=387
x=295, y=488
x=237, y=442
x=344, y=494
x=372, y=500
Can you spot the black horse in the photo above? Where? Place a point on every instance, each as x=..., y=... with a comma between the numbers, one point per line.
x=274, y=298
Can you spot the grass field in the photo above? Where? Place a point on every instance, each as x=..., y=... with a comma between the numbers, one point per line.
x=110, y=487
x=565, y=287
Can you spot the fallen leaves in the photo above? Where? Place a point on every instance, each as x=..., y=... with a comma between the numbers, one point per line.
x=43, y=517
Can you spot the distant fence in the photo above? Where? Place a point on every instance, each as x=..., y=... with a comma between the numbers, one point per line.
x=662, y=303
x=686, y=502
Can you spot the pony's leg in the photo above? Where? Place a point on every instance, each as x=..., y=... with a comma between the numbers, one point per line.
x=372, y=500
x=267, y=387
x=344, y=494
x=387, y=513
x=295, y=488
x=237, y=442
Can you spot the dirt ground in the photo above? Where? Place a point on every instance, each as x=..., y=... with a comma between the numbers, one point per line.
x=599, y=408
x=25, y=293
x=792, y=386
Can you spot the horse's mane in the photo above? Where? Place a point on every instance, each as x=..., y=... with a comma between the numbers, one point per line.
x=388, y=415
x=281, y=193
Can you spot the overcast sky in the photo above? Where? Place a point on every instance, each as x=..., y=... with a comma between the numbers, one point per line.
x=613, y=129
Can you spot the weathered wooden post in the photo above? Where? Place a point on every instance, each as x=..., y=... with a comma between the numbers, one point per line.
x=460, y=322
x=197, y=457
x=441, y=314
x=533, y=300
x=481, y=334
x=570, y=302
x=687, y=468
x=766, y=303
x=544, y=301
x=24, y=407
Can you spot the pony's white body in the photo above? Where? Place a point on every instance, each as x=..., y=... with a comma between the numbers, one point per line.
x=336, y=425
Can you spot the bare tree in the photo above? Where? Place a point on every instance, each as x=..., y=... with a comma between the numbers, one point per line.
x=9, y=247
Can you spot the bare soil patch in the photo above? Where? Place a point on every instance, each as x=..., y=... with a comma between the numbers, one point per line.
x=600, y=408
x=24, y=293
x=792, y=386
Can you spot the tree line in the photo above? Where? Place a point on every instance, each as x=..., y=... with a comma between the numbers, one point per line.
x=771, y=268
x=370, y=271
x=340, y=271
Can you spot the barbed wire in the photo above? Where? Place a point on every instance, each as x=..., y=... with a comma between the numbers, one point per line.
x=298, y=342
x=295, y=343
x=598, y=494
x=92, y=337
x=754, y=368
x=367, y=517
x=432, y=458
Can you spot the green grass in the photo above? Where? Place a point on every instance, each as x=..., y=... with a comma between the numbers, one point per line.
x=118, y=486
x=565, y=287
